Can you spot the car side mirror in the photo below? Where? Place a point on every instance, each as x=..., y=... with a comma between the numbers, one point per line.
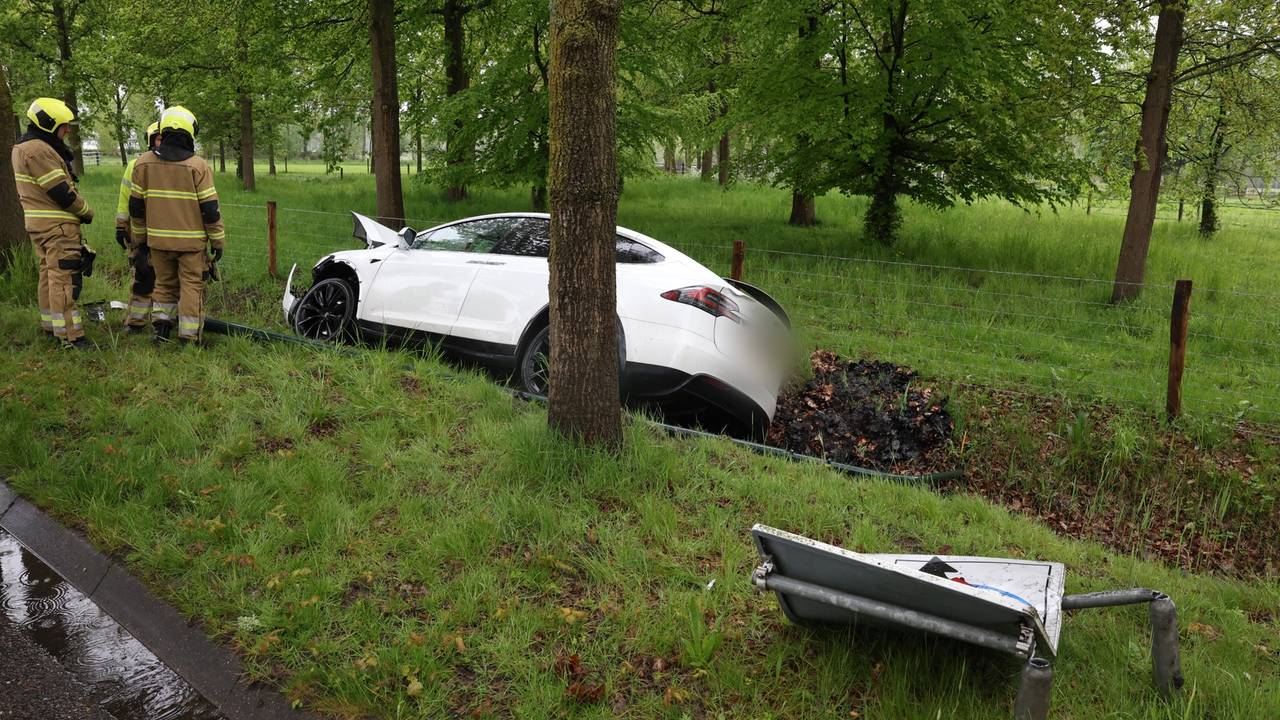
x=408, y=234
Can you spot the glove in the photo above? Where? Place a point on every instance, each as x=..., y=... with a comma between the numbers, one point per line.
x=87, y=217
x=122, y=238
x=141, y=258
x=216, y=253
x=87, y=256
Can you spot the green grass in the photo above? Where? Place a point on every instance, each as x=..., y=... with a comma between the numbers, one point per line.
x=987, y=294
x=391, y=542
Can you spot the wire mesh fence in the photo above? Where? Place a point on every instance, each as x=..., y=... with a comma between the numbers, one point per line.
x=1041, y=333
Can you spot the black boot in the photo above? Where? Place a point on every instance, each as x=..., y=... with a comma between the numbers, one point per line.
x=163, y=330
x=78, y=344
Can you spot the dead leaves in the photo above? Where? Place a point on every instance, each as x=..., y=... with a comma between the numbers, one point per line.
x=581, y=687
x=572, y=616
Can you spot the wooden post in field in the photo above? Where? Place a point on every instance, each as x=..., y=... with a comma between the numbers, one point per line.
x=1177, y=346
x=739, y=253
x=271, y=237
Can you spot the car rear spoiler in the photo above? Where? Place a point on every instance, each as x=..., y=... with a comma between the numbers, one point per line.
x=375, y=234
x=763, y=298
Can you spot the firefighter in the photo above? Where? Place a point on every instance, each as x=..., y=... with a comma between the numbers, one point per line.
x=53, y=213
x=173, y=211
x=144, y=276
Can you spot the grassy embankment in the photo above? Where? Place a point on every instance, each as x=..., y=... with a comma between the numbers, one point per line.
x=1203, y=493
x=392, y=543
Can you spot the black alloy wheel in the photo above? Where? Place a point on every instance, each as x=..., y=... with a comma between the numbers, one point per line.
x=535, y=364
x=327, y=311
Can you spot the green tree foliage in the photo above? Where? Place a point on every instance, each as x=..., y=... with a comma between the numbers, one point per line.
x=937, y=101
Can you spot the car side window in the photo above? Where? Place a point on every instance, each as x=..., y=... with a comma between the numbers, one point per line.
x=474, y=236
x=531, y=238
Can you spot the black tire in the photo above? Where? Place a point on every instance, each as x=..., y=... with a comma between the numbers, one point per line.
x=533, y=363
x=327, y=311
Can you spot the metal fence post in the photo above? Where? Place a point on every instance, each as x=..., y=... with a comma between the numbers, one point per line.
x=1034, y=688
x=1166, y=663
x=1177, y=347
x=271, y=237
x=739, y=253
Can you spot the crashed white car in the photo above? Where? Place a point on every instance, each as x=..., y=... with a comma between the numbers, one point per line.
x=694, y=346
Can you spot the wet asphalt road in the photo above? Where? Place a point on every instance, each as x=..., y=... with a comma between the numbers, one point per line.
x=33, y=686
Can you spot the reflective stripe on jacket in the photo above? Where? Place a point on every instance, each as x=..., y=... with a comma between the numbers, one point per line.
x=45, y=188
x=173, y=204
x=126, y=187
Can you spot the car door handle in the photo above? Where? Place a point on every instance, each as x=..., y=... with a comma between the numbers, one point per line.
x=485, y=262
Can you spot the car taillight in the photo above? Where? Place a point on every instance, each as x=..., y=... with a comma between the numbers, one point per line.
x=707, y=300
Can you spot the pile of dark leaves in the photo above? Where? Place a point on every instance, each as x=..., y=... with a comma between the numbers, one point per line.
x=863, y=412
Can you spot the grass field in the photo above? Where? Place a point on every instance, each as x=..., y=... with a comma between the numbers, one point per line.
x=410, y=544
x=987, y=294
x=384, y=542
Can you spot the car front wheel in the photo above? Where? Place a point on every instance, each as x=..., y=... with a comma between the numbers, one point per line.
x=327, y=311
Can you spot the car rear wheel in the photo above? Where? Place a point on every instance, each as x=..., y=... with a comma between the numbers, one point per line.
x=327, y=311
x=534, y=363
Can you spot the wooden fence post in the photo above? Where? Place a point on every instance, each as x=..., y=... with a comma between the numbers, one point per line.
x=1177, y=346
x=271, y=237
x=739, y=252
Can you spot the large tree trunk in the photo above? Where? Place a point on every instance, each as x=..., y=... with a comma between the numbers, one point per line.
x=457, y=80
x=1149, y=154
x=583, y=399
x=245, y=160
x=13, y=231
x=66, y=73
x=386, y=114
x=803, y=211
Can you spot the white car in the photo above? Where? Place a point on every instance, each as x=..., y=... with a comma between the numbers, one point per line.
x=693, y=345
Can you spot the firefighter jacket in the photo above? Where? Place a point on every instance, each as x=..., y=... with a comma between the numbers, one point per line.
x=46, y=185
x=126, y=187
x=172, y=202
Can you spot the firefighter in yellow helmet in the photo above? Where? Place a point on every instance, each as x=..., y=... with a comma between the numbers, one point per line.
x=144, y=276
x=173, y=211
x=53, y=213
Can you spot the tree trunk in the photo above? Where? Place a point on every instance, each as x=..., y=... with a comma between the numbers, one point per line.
x=455, y=68
x=538, y=198
x=583, y=399
x=668, y=159
x=1149, y=153
x=417, y=151
x=883, y=215
x=66, y=76
x=222, y=155
x=13, y=231
x=271, y=158
x=1208, y=199
x=706, y=164
x=1181, y=206
x=386, y=114
x=803, y=210
x=724, y=158
x=246, y=142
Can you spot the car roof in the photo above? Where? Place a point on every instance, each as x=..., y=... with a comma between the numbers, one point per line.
x=667, y=251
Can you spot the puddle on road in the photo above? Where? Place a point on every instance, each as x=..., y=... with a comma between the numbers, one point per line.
x=128, y=680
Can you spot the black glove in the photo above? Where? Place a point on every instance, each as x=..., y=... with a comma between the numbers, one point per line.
x=87, y=256
x=216, y=253
x=141, y=257
x=122, y=238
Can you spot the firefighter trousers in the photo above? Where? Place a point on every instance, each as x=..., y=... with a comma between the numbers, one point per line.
x=179, y=291
x=144, y=283
x=58, y=253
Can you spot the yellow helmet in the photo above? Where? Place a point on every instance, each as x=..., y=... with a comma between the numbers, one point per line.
x=179, y=118
x=49, y=114
x=152, y=130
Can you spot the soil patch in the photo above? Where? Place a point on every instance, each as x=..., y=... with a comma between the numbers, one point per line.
x=867, y=413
